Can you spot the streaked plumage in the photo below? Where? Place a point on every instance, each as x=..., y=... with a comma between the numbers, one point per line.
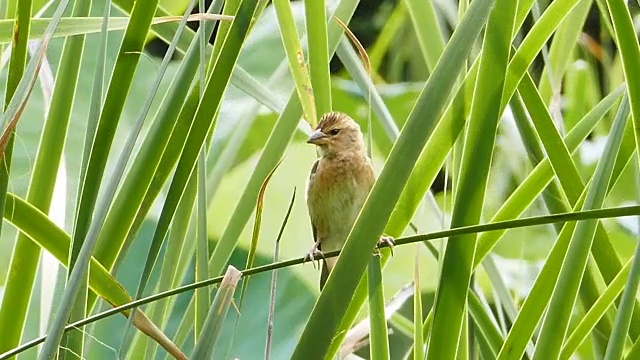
x=339, y=183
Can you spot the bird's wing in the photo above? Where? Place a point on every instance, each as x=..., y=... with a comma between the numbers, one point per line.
x=324, y=274
x=314, y=168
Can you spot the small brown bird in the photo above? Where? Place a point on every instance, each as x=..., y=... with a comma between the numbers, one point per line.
x=338, y=185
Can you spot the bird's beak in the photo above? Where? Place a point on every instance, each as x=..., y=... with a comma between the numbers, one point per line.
x=315, y=137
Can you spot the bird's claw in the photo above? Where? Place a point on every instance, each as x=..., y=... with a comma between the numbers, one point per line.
x=386, y=241
x=314, y=254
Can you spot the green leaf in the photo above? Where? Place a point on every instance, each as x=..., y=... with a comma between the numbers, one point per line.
x=316, y=25
x=379, y=339
x=297, y=63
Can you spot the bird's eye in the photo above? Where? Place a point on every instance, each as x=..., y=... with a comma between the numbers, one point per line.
x=334, y=132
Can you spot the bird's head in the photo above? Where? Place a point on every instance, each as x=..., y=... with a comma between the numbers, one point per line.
x=336, y=133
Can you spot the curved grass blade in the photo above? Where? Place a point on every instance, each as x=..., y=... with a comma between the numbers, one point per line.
x=202, y=247
x=560, y=54
x=49, y=156
x=256, y=231
x=274, y=278
x=213, y=326
x=251, y=256
x=627, y=41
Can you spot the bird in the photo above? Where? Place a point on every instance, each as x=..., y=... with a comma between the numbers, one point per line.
x=339, y=183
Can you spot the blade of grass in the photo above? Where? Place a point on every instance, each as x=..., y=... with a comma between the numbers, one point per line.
x=255, y=235
x=343, y=280
x=317, y=39
x=560, y=53
x=297, y=63
x=379, y=339
x=202, y=248
x=427, y=29
x=50, y=152
x=256, y=231
x=388, y=33
x=173, y=267
x=451, y=295
x=418, y=343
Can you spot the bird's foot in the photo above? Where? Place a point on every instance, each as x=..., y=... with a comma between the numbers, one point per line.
x=314, y=254
x=386, y=241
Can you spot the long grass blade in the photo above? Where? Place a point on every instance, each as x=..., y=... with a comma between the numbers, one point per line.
x=316, y=24
x=208, y=339
x=451, y=296
x=418, y=343
x=379, y=339
x=297, y=62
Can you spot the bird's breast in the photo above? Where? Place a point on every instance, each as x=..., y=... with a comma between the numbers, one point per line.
x=335, y=196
